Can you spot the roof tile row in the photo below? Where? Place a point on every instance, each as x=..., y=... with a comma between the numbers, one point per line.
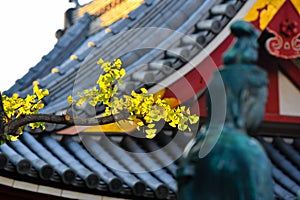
x=88, y=161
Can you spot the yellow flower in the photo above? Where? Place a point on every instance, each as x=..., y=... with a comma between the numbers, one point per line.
x=147, y=106
x=70, y=99
x=193, y=119
x=14, y=138
x=100, y=61
x=34, y=83
x=140, y=123
x=151, y=126
x=15, y=95
x=150, y=133
x=144, y=91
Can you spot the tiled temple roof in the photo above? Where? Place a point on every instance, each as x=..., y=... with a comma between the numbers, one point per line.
x=83, y=163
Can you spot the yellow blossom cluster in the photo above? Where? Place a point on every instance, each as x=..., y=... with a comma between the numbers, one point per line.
x=16, y=107
x=143, y=108
x=107, y=85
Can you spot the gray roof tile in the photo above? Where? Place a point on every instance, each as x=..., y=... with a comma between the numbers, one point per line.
x=86, y=162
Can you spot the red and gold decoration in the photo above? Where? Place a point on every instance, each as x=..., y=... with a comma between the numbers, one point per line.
x=285, y=28
x=280, y=18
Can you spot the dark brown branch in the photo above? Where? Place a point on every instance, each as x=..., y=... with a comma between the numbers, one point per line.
x=2, y=115
x=12, y=126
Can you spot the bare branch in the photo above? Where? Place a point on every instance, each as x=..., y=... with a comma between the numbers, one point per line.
x=12, y=126
x=2, y=115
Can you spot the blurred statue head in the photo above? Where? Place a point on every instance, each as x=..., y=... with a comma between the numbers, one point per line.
x=245, y=83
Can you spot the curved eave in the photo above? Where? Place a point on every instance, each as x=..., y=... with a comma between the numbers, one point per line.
x=282, y=151
x=54, y=148
x=42, y=189
x=112, y=168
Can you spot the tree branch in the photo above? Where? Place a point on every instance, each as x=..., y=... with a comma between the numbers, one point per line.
x=12, y=126
x=2, y=115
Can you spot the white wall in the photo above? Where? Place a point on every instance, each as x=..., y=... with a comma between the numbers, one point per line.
x=289, y=97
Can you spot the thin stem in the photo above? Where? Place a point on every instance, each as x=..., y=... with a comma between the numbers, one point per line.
x=2, y=115
x=12, y=126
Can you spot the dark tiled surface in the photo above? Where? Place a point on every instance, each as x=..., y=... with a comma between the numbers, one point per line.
x=85, y=163
x=90, y=163
x=286, y=171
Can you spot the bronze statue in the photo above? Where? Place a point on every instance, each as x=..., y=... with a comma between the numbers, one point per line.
x=236, y=167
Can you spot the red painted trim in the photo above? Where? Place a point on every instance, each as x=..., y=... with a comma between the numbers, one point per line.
x=187, y=86
x=202, y=105
x=289, y=69
x=281, y=118
x=217, y=54
x=198, y=78
x=269, y=64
